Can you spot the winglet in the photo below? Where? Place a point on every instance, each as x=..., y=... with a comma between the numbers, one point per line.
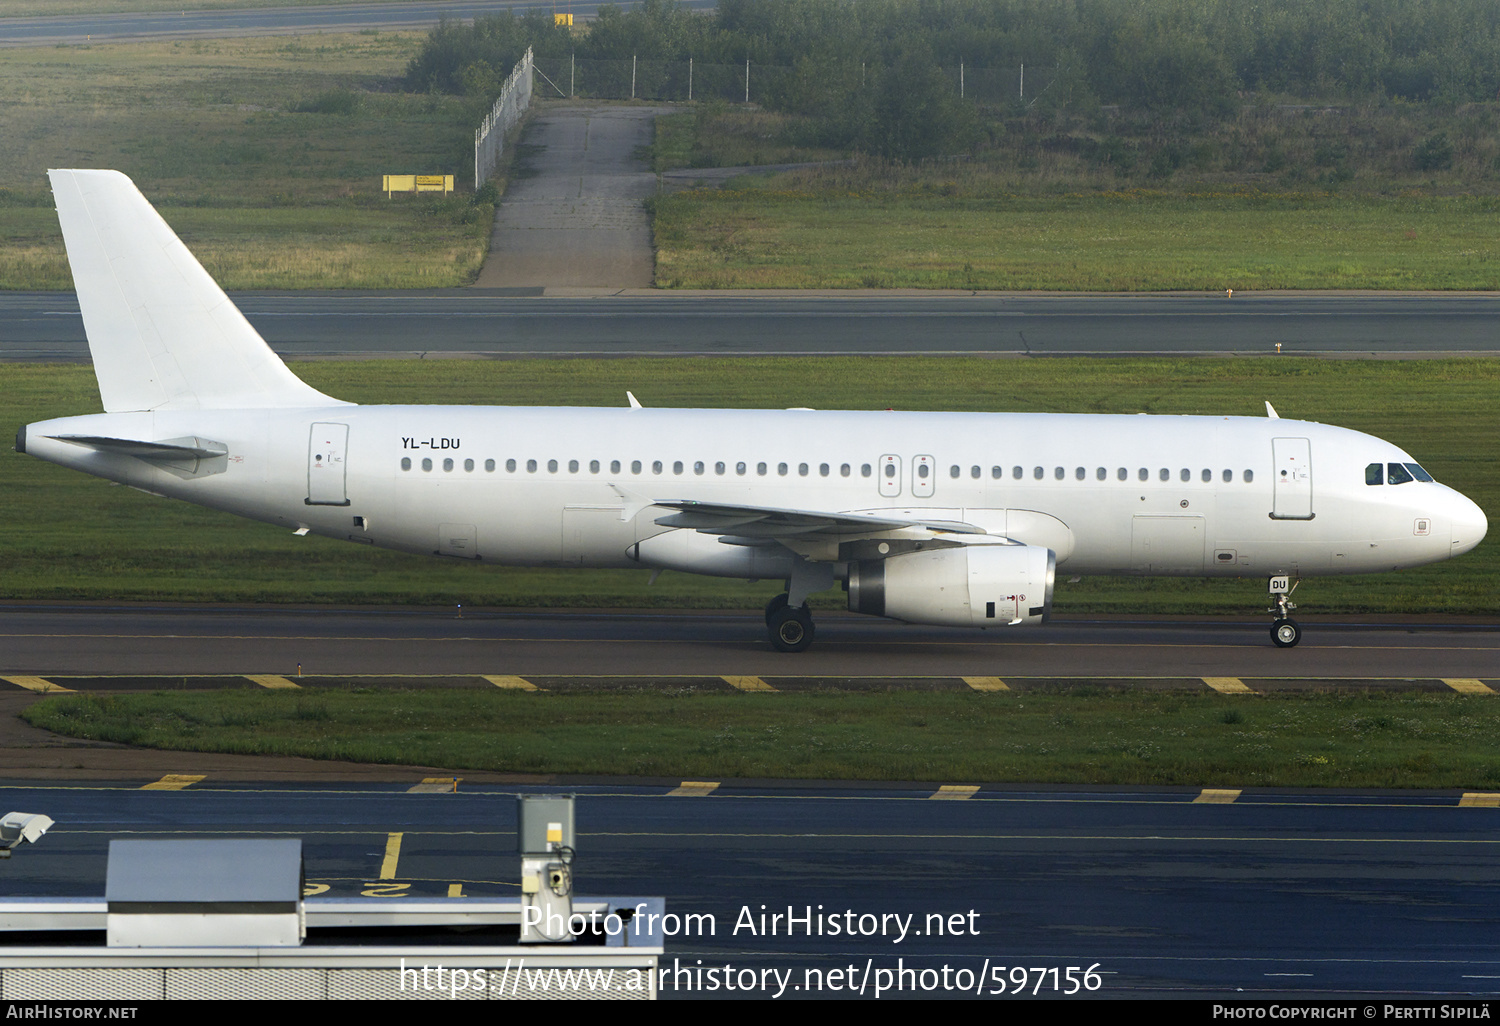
x=635, y=404
x=1271, y=411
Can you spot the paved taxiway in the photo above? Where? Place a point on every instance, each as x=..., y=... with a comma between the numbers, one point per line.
x=197, y=641
x=1274, y=893
x=47, y=326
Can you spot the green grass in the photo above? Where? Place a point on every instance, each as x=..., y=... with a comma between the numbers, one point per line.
x=70, y=536
x=266, y=154
x=1346, y=740
x=802, y=231
x=59, y=8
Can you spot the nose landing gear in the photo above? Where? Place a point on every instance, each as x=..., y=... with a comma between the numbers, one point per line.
x=1285, y=632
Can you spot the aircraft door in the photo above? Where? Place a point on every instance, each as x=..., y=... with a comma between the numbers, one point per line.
x=890, y=476
x=327, y=449
x=1293, y=479
x=923, y=476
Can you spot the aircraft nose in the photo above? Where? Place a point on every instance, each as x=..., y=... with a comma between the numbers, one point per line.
x=1469, y=524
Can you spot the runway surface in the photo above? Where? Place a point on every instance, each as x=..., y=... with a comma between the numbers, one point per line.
x=186, y=24
x=509, y=323
x=1276, y=893
x=198, y=641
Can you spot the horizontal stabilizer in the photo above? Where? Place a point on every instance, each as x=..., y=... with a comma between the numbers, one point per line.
x=163, y=335
x=173, y=449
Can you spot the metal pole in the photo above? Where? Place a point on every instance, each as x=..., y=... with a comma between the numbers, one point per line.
x=1023, y=83
x=960, y=80
x=747, y=79
x=632, y=76
x=572, y=63
x=690, y=80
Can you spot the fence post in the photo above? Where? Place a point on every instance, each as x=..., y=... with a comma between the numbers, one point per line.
x=960, y=80
x=572, y=63
x=632, y=76
x=1023, y=83
x=747, y=79
x=690, y=80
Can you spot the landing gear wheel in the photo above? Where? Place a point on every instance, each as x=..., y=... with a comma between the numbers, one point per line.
x=1285, y=633
x=791, y=629
x=779, y=602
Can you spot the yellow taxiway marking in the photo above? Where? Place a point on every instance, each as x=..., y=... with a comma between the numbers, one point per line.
x=695, y=789
x=1216, y=796
x=392, y=856
x=35, y=684
x=1468, y=685
x=986, y=683
x=748, y=683
x=501, y=680
x=174, y=782
x=1228, y=685
x=435, y=785
x=270, y=680
x=954, y=792
x=1479, y=800
x=455, y=890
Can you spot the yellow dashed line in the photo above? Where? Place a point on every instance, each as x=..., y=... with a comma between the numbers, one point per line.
x=174, y=782
x=1468, y=685
x=986, y=683
x=1479, y=800
x=695, y=789
x=515, y=683
x=35, y=684
x=1228, y=685
x=392, y=856
x=1216, y=796
x=748, y=684
x=270, y=681
x=954, y=792
x=435, y=785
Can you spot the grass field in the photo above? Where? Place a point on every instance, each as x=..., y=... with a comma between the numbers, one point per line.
x=265, y=153
x=1085, y=736
x=786, y=233
x=69, y=536
x=59, y=8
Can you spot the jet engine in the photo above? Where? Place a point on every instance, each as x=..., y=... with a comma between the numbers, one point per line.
x=966, y=586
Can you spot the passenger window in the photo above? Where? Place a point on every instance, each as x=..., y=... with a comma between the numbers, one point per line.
x=1016, y=473
x=739, y=468
x=1144, y=474
x=572, y=466
x=1058, y=473
x=845, y=470
x=1165, y=474
x=1375, y=474
x=656, y=466
x=510, y=466
x=995, y=473
x=1187, y=475
x=954, y=471
x=406, y=463
x=922, y=470
x=1123, y=474
x=614, y=466
x=635, y=466
x=802, y=470
x=531, y=466
x=448, y=464
x=974, y=473
x=489, y=465
x=593, y=466
x=823, y=470
x=781, y=469
x=760, y=468
x=719, y=468
x=1208, y=476
x=551, y=466
x=1228, y=475
x=890, y=470
x=1101, y=474
x=426, y=464
x=1249, y=476
x=468, y=464
x=677, y=467
x=1079, y=473
x=865, y=470
x=1396, y=474
x=1038, y=473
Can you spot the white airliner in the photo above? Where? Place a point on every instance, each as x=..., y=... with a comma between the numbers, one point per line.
x=956, y=519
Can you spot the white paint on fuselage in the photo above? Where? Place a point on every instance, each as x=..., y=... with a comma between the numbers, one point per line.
x=547, y=517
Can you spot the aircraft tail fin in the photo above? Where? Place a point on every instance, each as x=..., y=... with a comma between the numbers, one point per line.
x=163, y=335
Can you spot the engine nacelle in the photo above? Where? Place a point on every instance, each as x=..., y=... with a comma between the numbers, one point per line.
x=971, y=586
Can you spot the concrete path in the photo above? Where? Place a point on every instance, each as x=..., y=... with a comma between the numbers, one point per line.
x=575, y=217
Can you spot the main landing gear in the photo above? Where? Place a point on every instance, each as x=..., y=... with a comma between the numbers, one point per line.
x=791, y=630
x=1284, y=630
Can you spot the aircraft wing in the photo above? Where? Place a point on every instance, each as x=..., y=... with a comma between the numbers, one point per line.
x=771, y=523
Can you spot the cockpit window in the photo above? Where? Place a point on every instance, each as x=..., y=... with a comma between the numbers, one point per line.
x=1399, y=474
x=1417, y=472
x=1375, y=474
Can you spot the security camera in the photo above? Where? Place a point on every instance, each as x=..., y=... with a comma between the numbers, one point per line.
x=21, y=826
